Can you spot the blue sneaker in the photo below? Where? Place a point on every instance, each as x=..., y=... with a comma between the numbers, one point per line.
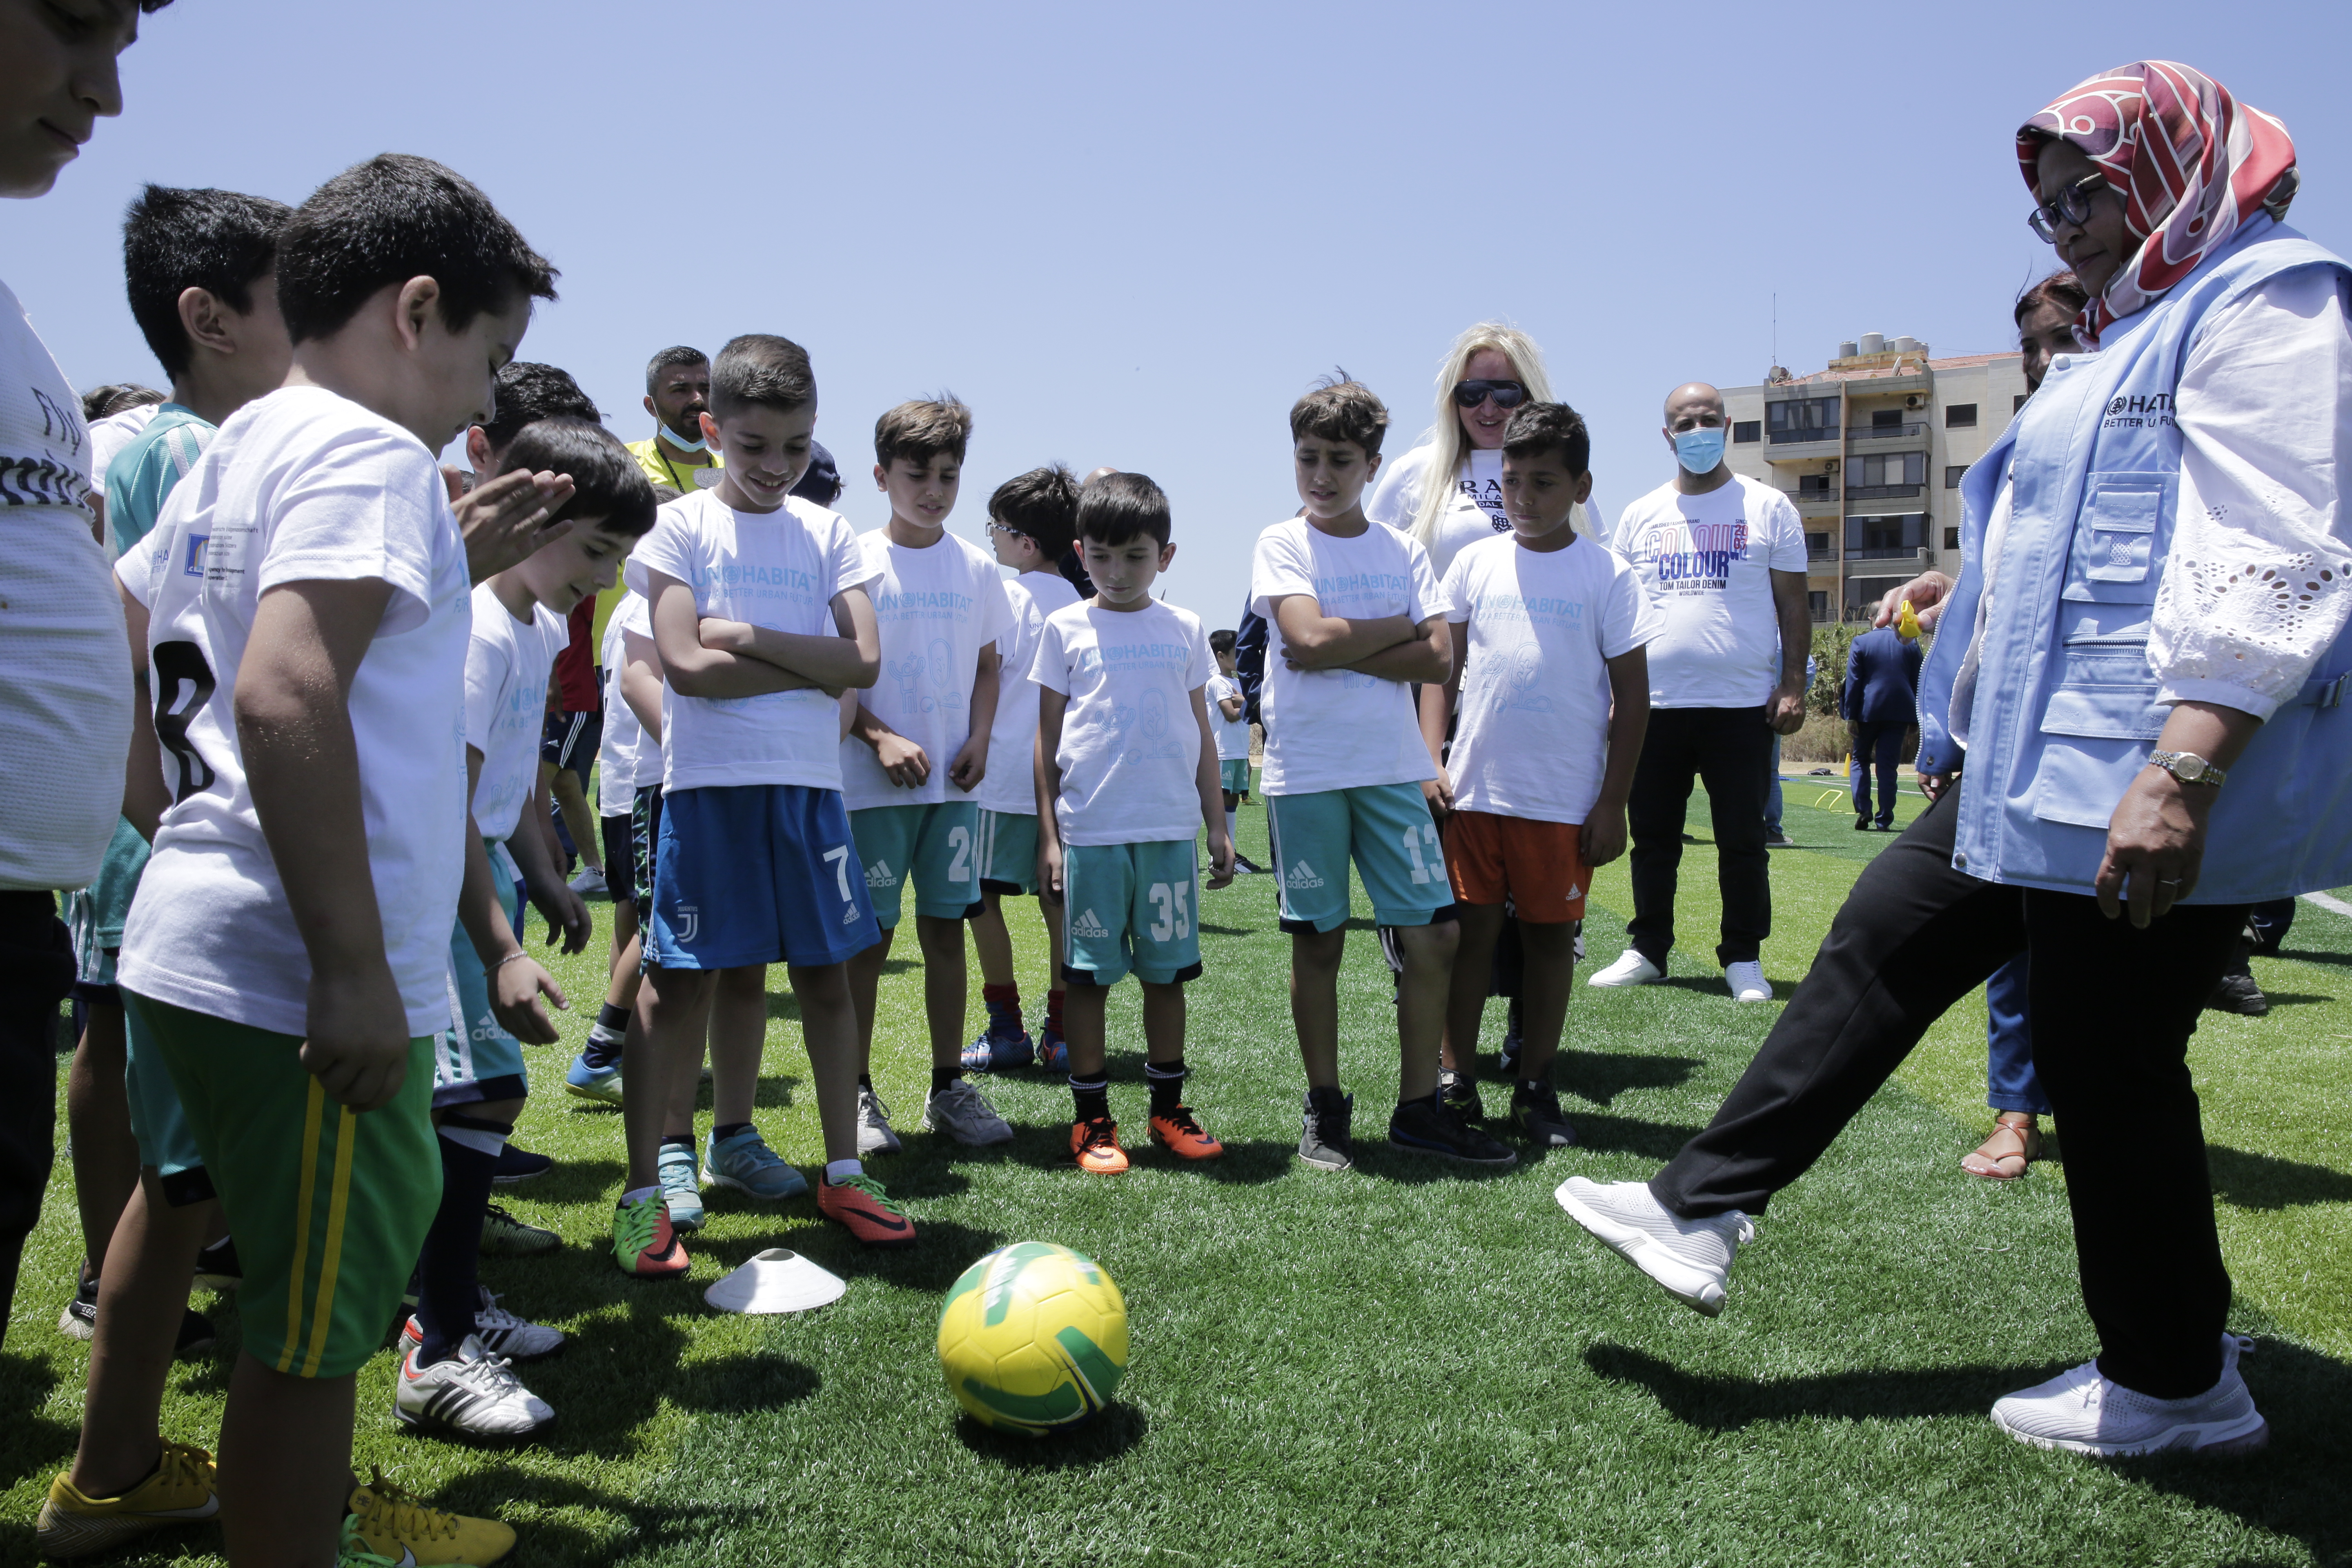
x=1053, y=1051
x=1003, y=1044
x=592, y=1077
x=681, y=1185
x=746, y=1164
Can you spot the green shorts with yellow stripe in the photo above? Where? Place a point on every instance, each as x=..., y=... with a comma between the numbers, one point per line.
x=329, y=1207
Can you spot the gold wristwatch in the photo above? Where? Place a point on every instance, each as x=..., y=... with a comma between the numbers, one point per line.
x=2188, y=767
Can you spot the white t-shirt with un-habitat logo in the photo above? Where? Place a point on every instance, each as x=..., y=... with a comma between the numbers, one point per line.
x=1707, y=562
x=1330, y=729
x=1130, y=750
x=1532, y=737
x=778, y=569
x=936, y=608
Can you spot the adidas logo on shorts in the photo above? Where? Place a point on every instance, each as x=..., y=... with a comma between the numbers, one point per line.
x=1086, y=925
x=1302, y=875
x=879, y=875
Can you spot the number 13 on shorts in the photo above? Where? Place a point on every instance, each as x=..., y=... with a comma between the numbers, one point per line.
x=1421, y=849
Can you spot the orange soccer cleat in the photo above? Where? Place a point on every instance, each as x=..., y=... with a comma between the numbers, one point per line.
x=1095, y=1145
x=859, y=1203
x=1180, y=1135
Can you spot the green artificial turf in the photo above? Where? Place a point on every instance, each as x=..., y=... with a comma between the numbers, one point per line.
x=1399, y=1364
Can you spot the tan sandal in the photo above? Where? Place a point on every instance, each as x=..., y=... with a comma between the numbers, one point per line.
x=1996, y=1159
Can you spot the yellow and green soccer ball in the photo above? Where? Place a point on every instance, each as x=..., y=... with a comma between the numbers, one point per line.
x=1034, y=1338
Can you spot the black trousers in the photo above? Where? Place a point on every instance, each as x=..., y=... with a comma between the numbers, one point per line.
x=2113, y=1008
x=1879, y=745
x=1730, y=751
x=36, y=970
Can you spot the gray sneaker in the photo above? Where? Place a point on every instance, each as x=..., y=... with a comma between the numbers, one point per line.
x=1323, y=1138
x=963, y=1113
x=873, y=1134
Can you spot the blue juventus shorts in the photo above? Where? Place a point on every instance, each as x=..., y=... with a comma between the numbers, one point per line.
x=750, y=874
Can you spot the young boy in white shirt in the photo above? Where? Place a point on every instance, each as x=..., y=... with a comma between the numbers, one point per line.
x=761, y=620
x=1229, y=719
x=1354, y=616
x=1127, y=772
x=918, y=747
x=1555, y=694
x=1032, y=522
x=451, y=1378
x=306, y=594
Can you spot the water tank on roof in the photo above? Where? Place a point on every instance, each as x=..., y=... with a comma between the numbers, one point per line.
x=1874, y=343
x=1908, y=344
x=1847, y=349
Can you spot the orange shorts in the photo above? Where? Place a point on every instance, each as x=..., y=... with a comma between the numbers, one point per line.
x=1537, y=865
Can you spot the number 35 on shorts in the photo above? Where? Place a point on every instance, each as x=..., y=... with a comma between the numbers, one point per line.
x=1173, y=903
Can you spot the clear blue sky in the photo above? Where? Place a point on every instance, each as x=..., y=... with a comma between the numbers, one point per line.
x=1132, y=236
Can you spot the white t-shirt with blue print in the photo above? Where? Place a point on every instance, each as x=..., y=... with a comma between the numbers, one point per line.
x=1130, y=750
x=936, y=608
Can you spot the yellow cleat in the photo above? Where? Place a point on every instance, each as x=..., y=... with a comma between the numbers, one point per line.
x=179, y=1492
x=388, y=1523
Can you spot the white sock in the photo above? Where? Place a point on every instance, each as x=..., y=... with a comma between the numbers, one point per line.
x=839, y=1171
x=1234, y=833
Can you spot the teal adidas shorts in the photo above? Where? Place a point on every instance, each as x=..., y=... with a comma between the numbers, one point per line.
x=1131, y=907
x=165, y=1140
x=475, y=1058
x=936, y=845
x=1008, y=852
x=1234, y=774
x=1385, y=829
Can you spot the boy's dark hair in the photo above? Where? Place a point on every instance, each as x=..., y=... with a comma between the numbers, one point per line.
x=684, y=353
x=606, y=479
x=390, y=219
x=173, y=240
x=1116, y=508
x=760, y=370
x=1539, y=427
x=1221, y=641
x=105, y=402
x=920, y=431
x=527, y=392
x=1042, y=503
x=1340, y=409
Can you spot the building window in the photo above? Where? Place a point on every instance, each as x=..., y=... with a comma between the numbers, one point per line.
x=1885, y=538
x=1960, y=417
x=2017, y=403
x=1817, y=603
x=1745, y=432
x=1802, y=419
x=1814, y=486
x=1951, y=539
x=1952, y=476
x=1887, y=419
x=1893, y=469
x=1817, y=546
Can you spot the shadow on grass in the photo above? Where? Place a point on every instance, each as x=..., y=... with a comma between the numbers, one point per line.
x=2312, y=955
x=1714, y=985
x=567, y=1182
x=30, y=1443
x=1629, y=1135
x=1392, y=1162
x=1729, y=1404
x=1208, y=929
x=775, y=1089
x=2293, y=998
x=2250, y=1181
x=740, y=1385
x=1602, y=1075
x=1250, y=1163
x=1110, y=1434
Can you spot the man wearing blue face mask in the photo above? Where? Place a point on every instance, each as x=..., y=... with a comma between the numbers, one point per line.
x=1723, y=558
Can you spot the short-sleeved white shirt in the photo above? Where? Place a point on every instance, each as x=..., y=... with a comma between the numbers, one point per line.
x=780, y=569
x=1011, y=783
x=507, y=664
x=1330, y=729
x=1532, y=736
x=617, y=749
x=1130, y=751
x=1232, y=734
x=301, y=485
x=936, y=608
x=1707, y=563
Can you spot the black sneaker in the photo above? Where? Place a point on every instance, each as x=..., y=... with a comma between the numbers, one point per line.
x=198, y=1334
x=79, y=1320
x=2231, y=994
x=1247, y=868
x=1536, y=1113
x=1861, y=824
x=1434, y=1127
x=520, y=1165
x=1324, y=1142
x=1462, y=1094
x=218, y=1269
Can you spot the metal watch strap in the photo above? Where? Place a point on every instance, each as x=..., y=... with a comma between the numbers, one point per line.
x=2205, y=773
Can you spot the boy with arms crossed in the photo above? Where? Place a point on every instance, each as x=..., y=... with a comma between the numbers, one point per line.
x=1125, y=770
x=455, y=1374
x=761, y=617
x=1354, y=616
x=307, y=589
x=1031, y=519
x=918, y=746
x=1231, y=723
x=1555, y=694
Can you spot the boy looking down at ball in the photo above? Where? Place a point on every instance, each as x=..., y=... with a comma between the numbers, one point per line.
x=1127, y=772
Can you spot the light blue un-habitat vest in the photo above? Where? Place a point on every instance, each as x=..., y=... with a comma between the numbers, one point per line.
x=2065, y=710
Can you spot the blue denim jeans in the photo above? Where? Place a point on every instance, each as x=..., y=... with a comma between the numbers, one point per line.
x=2009, y=1083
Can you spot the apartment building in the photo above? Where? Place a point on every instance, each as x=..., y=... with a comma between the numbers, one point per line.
x=1872, y=450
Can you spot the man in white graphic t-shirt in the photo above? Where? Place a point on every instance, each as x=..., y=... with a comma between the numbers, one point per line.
x=1723, y=558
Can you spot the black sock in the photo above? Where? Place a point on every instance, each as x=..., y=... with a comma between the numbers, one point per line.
x=720, y=1134
x=1093, y=1097
x=943, y=1077
x=865, y=1081
x=1535, y=1084
x=678, y=1141
x=1166, y=1081
x=448, y=1269
x=616, y=1019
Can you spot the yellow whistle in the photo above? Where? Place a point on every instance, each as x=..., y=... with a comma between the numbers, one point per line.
x=1906, y=624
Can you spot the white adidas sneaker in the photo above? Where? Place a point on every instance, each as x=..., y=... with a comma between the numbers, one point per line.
x=2084, y=1413
x=474, y=1393
x=1631, y=968
x=1691, y=1257
x=501, y=1333
x=1746, y=983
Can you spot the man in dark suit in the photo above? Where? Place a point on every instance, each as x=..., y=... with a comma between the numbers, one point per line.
x=1880, y=702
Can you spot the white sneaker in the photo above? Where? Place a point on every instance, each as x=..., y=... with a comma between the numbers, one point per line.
x=873, y=1134
x=1747, y=982
x=963, y=1113
x=1689, y=1257
x=473, y=1392
x=2084, y=1413
x=589, y=882
x=1631, y=968
x=500, y=1332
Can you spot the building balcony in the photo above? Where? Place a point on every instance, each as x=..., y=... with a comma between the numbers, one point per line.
x=1876, y=437
x=1883, y=492
x=1814, y=503
x=1890, y=553
x=1808, y=445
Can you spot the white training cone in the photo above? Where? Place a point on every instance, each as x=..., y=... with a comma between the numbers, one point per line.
x=776, y=1280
